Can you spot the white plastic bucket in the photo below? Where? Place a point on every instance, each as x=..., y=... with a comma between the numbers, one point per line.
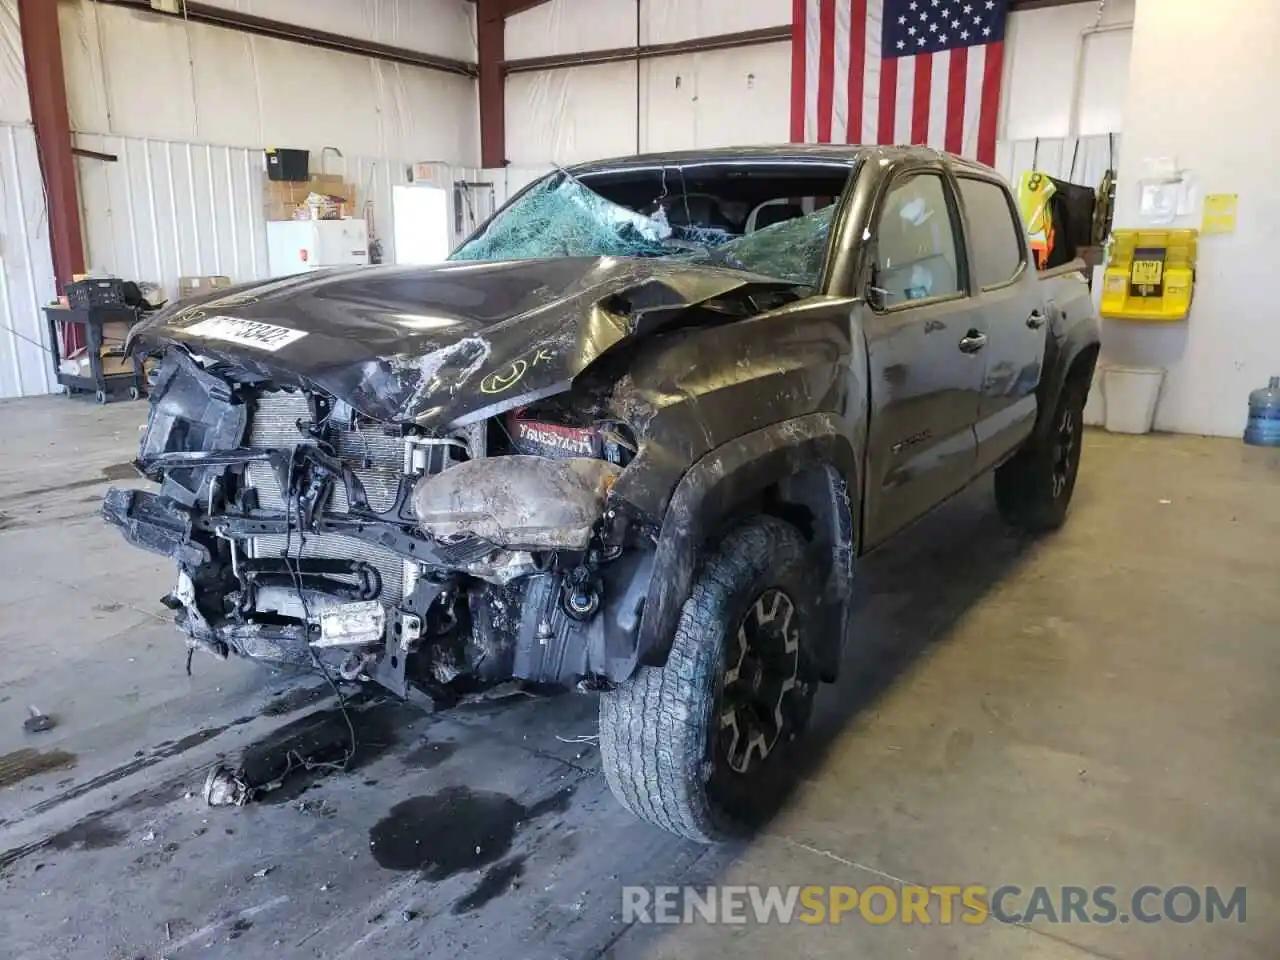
x=1131, y=395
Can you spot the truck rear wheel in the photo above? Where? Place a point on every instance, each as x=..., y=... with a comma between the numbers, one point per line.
x=699, y=746
x=1034, y=489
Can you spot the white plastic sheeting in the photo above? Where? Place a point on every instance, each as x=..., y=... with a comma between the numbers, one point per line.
x=574, y=26
x=137, y=74
x=719, y=98
x=743, y=95
x=1041, y=51
x=666, y=21
x=26, y=267
x=443, y=27
x=713, y=99
x=1082, y=160
x=570, y=26
x=14, y=105
x=566, y=116
x=167, y=209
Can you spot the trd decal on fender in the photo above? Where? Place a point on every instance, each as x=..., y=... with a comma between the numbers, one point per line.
x=912, y=440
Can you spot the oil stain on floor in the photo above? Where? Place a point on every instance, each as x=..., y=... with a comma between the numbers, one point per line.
x=454, y=830
x=21, y=764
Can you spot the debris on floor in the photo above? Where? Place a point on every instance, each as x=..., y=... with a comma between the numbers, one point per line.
x=222, y=788
x=38, y=722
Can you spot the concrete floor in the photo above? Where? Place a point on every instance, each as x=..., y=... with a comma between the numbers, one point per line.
x=1094, y=708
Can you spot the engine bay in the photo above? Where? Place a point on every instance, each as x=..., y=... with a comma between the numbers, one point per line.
x=311, y=535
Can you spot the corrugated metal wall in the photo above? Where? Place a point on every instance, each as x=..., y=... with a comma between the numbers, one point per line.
x=1082, y=160
x=166, y=209
x=26, y=267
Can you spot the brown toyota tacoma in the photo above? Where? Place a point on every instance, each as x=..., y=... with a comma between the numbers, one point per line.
x=631, y=439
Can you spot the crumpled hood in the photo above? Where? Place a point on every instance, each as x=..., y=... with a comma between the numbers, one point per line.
x=451, y=343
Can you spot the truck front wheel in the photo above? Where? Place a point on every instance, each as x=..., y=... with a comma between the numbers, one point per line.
x=699, y=747
x=1034, y=489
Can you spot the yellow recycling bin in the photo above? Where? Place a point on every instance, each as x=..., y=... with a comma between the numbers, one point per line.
x=1150, y=275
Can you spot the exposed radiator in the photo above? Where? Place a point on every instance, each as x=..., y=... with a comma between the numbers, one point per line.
x=375, y=458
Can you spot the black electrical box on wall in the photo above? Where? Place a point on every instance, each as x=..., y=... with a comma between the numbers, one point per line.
x=287, y=164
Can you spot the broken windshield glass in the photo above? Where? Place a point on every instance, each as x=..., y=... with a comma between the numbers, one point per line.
x=791, y=250
x=562, y=217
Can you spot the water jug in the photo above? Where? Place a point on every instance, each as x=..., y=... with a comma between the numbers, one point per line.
x=1263, y=429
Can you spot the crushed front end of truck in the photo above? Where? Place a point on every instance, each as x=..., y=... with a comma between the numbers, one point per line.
x=419, y=476
x=306, y=532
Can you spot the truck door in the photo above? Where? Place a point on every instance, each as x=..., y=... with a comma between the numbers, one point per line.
x=1008, y=291
x=925, y=339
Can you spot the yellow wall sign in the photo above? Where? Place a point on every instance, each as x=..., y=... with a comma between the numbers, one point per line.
x=1220, y=213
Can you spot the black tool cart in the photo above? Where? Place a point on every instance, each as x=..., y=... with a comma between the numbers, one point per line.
x=98, y=305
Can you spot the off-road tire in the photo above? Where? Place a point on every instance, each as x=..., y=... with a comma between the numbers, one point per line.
x=1033, y=490
x=657, y=741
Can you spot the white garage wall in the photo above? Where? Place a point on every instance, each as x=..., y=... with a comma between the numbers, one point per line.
x=1081, y=160
x=167, y=209
x=575, y=26
x=442, y=27
x=14, y=104
x=187, y=108
x=711, y=99
x=744, y=95
x=1041, y=50
x=26, y=267
x=717, y=99
x=185, y=196
x=233, y=89
x=1202, y=91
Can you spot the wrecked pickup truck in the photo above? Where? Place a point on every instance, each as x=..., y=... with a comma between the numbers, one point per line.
x=631, y=440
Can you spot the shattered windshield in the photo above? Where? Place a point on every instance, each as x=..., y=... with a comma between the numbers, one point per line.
x=561, y=216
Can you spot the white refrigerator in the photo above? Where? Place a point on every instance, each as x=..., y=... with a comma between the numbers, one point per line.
x=295, y=246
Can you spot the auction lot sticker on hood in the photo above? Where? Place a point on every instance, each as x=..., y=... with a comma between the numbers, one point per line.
x=247, y=333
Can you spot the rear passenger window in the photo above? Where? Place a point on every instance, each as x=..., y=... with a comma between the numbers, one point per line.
x=994, y=232
x=916, y=257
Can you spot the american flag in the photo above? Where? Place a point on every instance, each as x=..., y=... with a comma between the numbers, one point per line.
x=898, y=71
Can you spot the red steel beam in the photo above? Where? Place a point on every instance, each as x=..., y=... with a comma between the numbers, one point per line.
x=47, y=89
x=511, y=7
x=491, y=18
x=491, y=28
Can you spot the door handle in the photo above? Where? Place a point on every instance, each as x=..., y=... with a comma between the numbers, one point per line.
x=973, y=341
x=1036, y=320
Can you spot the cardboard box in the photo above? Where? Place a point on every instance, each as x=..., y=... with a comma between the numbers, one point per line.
x=195, y=286
x=282, y=198
x=78, y=366
x=114, y=334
